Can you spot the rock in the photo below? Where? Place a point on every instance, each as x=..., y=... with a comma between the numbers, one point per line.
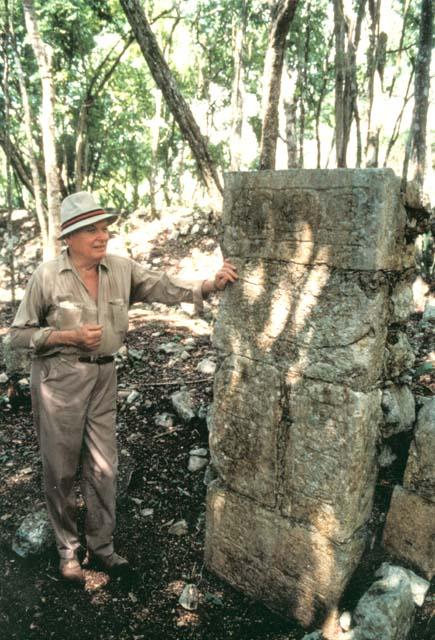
x=165, y=420
x=146, y=513
x=170, y=347
x=419, y=586
x=399, y=356
x=135, y=354
x=179, y=528
x=34, y=534
x=409, y=532
x=403, y=302
x=398, y=406
x=126, y=467
x=429, y=311
x=386, y=457
x=133, y=396
x=420, y=467
x=345, y=620
x=183, y=405
x=386, y=610
x=196, y=463
x=3, y=378
x=189, y=597
x=207, y=367
x=200, y=451
x=209, y=475
x=315, y=635
x=16, y=360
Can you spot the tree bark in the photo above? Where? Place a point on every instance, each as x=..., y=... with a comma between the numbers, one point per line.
x=43, y=58
x=175, y=101
x=416, y=151
x=283, y=12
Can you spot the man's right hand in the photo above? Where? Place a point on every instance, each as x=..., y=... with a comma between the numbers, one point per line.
x=88, y=336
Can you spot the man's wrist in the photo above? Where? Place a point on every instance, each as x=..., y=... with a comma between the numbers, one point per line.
x=60, y=338
x=208, y=286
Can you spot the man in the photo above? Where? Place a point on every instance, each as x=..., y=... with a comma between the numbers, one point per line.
x=74, y=315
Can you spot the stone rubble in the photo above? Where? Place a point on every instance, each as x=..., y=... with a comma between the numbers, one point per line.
x=34, y=534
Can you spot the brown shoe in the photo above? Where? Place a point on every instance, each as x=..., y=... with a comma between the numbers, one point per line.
x=114, y=564
x=71, y=570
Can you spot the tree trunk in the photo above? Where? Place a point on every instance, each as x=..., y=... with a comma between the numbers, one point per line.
x=289, y=92
x=238, y=86
x=416, y=151
x=92, y=93
x=282, y=15
x=43, y=58
x=41, y=212
x=175, y=101
x=374, y=86
x=347, y=31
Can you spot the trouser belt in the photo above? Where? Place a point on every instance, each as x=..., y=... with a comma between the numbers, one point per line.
x=96, y=359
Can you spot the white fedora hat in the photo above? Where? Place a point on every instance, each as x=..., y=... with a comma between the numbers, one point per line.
x=80, y=210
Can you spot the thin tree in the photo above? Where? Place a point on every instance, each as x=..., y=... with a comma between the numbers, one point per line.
x=416, y=150
x=43, y=57
x=283, y=12
x=176, y=103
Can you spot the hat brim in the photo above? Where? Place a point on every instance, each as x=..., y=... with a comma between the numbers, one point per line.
x=85, y=223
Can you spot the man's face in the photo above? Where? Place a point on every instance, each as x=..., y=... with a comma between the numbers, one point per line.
x=90, y=242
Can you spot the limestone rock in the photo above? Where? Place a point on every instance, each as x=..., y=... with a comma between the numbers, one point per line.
x=189, y=597
x=399, y=356
x=183, y=405
x=386, y=610
x=403, y=302
x=419, y=586
x=33, y=535
x=292, y=568
x=207, y=367
x=429, y=311
x=350, y=219
x=16, y=360
x=420, y=468
x=409, y=532
x=398, y=405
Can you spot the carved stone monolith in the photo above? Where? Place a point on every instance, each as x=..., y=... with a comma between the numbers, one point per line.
x=301, y=343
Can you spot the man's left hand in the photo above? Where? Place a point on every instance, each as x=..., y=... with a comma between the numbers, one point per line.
x=227, y=273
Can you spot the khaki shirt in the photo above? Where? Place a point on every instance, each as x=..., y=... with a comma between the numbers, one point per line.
x=57, y=299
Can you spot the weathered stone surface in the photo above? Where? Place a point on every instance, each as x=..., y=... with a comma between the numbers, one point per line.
x=304, y=321
x=399, y=356
x=244, y=427
x=420, y=468
x=403, y=302
x=409, y=530
x=386, y=610
x=329, y=451
x=429, y=310
x=398, y=405
x=351, y=219
x=291, y=567
x=34, y=534
x=297, y=404
x=311, y=455
x=392, y=573
x=16, y=360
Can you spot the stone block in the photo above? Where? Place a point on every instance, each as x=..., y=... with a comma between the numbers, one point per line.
x=306, y=448
x=329, y=457
x=420, y=467
x=399, y=356
x=289, y=566
x=327, y=324
x=398, y=406
x=350, y=219
x=409, y=532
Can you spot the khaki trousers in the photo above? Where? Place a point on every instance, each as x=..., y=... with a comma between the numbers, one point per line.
x=74, y=406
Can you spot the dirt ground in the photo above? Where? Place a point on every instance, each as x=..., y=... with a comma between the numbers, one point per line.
x=36, y=605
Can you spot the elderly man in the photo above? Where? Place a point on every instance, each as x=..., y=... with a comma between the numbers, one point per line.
x=74, y=315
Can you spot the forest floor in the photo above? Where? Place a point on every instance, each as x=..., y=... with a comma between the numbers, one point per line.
x=156, y=490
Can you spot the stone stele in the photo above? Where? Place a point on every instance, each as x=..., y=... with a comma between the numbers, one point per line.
x=301, y=343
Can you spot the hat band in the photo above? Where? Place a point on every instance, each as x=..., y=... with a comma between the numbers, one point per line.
x=80, y=217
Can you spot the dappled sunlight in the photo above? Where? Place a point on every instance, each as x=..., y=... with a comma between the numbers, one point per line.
x=23, y=476
x=254, y=282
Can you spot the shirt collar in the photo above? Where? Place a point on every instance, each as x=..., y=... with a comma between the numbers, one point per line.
x=65, y=263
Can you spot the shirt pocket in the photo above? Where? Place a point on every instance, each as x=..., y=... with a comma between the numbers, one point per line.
x=119, y=315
